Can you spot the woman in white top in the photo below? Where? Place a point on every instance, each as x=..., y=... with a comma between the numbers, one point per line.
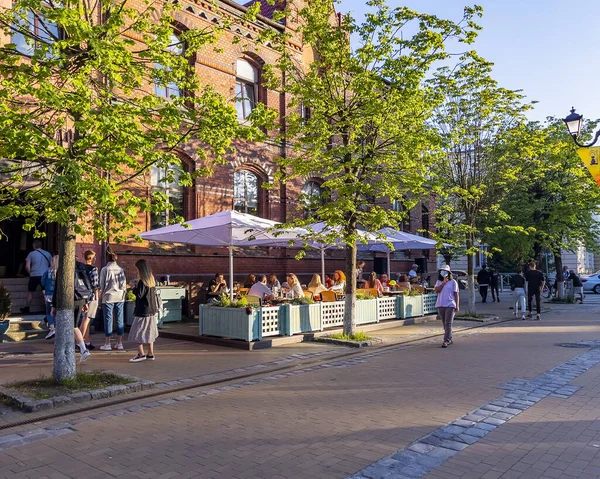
x=447, y=302
x=339, y=282
x=295, y=286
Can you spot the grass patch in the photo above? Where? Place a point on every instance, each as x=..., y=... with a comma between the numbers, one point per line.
x=567, y=300
x=358, y=336
x=472, y=316
x=45, y=387
x=6, y=401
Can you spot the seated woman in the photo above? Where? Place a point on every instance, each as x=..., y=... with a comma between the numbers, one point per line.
x=217, y=287
x=339, y=282
x=374, y=283
x=294, y=286
x=403, y=282
x=250, y=280
x=273, y=282
x=328, y=281
x=315, y=286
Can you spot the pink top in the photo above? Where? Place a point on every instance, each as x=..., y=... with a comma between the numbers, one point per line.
x=446, y=297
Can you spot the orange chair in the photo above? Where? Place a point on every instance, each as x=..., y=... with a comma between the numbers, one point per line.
x=244, y=291
x=307, y=294
x=328, y=296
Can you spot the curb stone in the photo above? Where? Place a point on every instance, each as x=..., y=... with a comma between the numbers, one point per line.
x=29, y=404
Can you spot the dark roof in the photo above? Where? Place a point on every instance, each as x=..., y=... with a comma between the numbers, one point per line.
x=267, y=10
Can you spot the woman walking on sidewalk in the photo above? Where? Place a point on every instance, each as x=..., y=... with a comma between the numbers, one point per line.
x=144, y=330
x=517, y=284
x=447, y=302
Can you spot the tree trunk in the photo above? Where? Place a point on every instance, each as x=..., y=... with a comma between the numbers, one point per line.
x=64, y=344
x=350, y=306
x=470, y=309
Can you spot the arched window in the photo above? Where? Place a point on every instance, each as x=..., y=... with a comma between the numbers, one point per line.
x=41, y=32
x=246, y=188
x=167, y=90
x=425, y=220
x=246, y=88
x=174, y=192
x=312, y=196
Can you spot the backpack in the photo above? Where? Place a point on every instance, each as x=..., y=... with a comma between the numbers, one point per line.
x=83, y=283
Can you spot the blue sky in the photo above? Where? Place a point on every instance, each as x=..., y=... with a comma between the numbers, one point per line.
x=550, y=49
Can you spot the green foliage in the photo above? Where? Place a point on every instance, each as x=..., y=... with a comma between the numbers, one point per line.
x=554, y=204
x=413, y=292
x=300, y=301
x=366, y=135
x=226, y=302
x=130, y=296
x=361, y=296
x=80, y=120
x=5, y=302
x=357, y=336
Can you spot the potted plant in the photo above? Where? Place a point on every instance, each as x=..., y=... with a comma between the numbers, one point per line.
x=129, y=307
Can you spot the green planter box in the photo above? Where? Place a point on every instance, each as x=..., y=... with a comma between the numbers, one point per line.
x=303, y=318
x=232, y=323
x=410, y=306
x=366, y=311
x=128, y=310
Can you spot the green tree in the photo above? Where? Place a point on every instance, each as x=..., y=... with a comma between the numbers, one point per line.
x=554, y=203
x=364, y=132
x=481, y=126
x=81, y=119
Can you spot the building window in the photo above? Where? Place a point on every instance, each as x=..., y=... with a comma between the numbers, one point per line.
x=425, y=221
x=312, y=197
x=246, y=192
x=42, y=32
x=170, y=89
x=246, y=87
x=173, y=191
x=304, y=113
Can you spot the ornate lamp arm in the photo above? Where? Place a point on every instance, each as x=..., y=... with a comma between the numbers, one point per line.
x=590, y=144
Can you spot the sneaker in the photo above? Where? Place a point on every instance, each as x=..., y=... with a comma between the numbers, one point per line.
x=450, y=342
x=529, y=316
x=444, y=345
x=106, y=347
x=119, y=347
x=50, y=334
x=523, y=318
x=138, y=357
x=90, y=346
x=84, y=356
x=150, y=357
x=25, y=310
x=538, y=317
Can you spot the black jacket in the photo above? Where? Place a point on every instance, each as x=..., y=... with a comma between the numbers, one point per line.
x=145, y=300
x=483, y=277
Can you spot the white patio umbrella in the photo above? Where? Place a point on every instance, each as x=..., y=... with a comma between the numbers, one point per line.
x=229, y=229
x=400, y=240
x=322, y=227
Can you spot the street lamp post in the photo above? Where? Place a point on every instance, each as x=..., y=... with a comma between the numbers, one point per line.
x=574, y=122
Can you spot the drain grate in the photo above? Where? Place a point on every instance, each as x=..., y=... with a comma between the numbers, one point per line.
x=574, y=345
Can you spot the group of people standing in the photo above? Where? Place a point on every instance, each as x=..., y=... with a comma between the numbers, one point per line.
x=488, y=279
x=107, y=287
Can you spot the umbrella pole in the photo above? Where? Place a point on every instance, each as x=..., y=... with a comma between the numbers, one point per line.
x=231, y=272
x=389, y=266
x=323, y=264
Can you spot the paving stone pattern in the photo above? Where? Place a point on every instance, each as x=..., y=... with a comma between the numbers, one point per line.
x=429, y=452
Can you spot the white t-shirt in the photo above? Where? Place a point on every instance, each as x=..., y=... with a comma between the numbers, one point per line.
x=446, y=297
x=260, y=290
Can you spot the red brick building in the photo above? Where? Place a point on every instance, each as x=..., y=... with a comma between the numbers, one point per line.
x=234, y=69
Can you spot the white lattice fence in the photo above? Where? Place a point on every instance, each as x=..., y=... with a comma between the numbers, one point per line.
x=386, y=308
x=332, y=314
x=270, y=321
x=429, y=303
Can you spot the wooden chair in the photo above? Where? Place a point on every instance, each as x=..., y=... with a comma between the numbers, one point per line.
x=254, y=300
x=328, y=296
x=308, y=294
x=243, y=291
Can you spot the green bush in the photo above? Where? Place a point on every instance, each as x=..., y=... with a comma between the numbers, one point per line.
x=358, y=336
x=302, y=301
x=226, y=302
x=5, y=302
x=362, y=297
x=130, y=296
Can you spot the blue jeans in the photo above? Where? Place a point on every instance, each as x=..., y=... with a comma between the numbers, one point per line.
x=108, y=309
x=51, y=319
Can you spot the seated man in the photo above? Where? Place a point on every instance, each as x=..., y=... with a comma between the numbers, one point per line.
x=217, y=287
x=261, y=289
x=412, y=274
